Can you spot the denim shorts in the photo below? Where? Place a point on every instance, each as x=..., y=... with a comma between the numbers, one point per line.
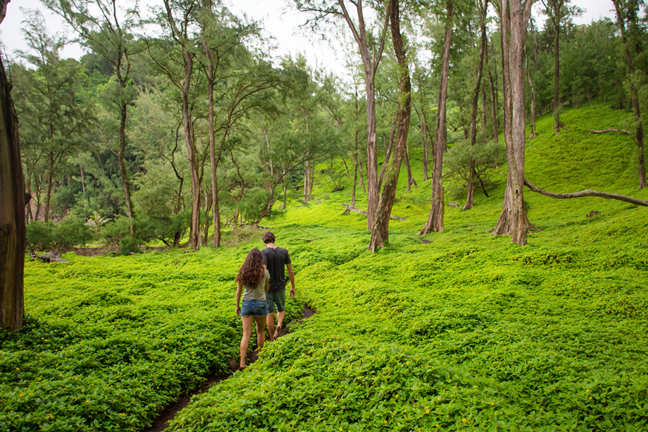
x=255, y=308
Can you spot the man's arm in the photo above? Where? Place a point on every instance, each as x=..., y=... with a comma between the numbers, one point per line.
x=291, y=276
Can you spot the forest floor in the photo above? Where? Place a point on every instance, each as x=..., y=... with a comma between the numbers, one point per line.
x=457, y=330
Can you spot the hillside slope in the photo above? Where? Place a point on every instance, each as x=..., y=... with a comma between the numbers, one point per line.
x=470, y=331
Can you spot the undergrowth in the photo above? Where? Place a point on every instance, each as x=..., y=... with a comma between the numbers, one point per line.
x=468, y=332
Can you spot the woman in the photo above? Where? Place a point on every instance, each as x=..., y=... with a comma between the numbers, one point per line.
x=254, y=279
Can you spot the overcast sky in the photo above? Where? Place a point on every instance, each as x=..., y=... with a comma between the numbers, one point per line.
x=278, y=20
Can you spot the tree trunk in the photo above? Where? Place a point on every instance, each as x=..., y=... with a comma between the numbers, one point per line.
x=410, y=178
x=556, y=101
x=424, y=134
x=533, y=133
x=122, y=164
x=475, y=105
x=50, y=184
x=435, y=219
x=194, y=233
x=12, y=210
x=493, y=106
x=388, y=152
x=513, y=218
x=634, y=94
x=380, y=228
x=355, y=180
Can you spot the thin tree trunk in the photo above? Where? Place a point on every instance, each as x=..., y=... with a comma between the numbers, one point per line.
x=380, y=228
x=355, y=180
x=389, y=149
x=425, y=136
x=533, y=133
x=556, y=101
x=410, y=178
x=435, y=219
x=493, y=106
x=50, y=184
x=12, y=209
x=634, y=94
x=194, y=232
x=475, y=105
x=122, y=165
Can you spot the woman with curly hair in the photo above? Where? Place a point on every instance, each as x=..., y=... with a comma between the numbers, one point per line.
x=253, y=281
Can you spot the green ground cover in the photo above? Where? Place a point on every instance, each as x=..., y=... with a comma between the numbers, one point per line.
x=469, y=332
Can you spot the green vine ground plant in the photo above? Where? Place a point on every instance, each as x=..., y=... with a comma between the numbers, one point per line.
x=468, y=332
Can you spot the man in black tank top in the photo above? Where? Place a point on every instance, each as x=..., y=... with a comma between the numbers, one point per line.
x=276, y=259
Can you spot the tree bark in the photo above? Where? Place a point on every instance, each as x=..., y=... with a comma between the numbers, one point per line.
x=513, y=219
x=410, y=178
x=12, y=209
x=435, y=219
x=533, y=133
x=370, y=68
x=483, y=10
x=634, y=94
x=194, y=233
x=389, y=149
x=556, y=102
x=380, y=229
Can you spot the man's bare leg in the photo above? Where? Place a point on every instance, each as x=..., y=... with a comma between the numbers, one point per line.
x=271, y=326
x=280, y=318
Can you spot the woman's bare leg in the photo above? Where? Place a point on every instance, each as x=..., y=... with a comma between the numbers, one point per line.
x=260, y=328
x=245, y=341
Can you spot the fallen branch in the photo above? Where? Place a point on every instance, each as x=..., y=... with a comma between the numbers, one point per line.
x=308, y=234
x=586, y=193
x=352, y=208
x=298, y=239
x=49, y=257
x=609, y=130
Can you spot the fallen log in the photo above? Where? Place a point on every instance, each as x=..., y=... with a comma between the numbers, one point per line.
x=49, y=257
x=351, y=208
x=609, y=130
x=301, y=239
x=586, y=193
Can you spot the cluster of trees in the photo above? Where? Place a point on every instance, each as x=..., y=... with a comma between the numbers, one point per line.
x=197, y=126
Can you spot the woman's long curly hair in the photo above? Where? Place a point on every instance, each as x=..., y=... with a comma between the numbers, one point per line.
x=252, y=271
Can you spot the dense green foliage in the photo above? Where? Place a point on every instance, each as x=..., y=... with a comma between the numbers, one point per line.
x=109, y=342
x=468, y=332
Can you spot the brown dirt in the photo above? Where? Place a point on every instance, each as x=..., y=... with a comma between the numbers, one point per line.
x=169, y=413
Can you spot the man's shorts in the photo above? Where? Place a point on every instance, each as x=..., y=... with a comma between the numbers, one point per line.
x=255, y=308
x=276, y=298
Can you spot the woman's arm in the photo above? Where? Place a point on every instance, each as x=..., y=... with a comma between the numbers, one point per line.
x=239, y=291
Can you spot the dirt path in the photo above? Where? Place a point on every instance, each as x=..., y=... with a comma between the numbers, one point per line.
x=172, y=410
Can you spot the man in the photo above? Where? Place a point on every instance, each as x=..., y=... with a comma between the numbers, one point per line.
x=275, y=259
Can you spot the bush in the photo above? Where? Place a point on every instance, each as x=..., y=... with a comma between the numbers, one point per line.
x=63, y=235
x=114, y=231
x=40, y=235
x=128, y=245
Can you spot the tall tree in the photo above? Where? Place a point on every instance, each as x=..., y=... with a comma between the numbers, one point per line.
x=12, y=208
x=483, y=11
x=627, y=12
x=108, y=31
x=514, y=17
x=435, y=219
x=380, y=229
x=371, y=56
x=46, y=100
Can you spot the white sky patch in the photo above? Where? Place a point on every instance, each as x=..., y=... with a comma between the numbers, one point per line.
x=277, y=17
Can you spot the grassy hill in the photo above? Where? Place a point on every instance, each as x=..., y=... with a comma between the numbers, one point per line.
x=469, y=332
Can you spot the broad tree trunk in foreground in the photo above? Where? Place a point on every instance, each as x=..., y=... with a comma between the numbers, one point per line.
x=380, y=228
x=473, y=121
x=634, y=94
x=435, y=219
x=514, y=19
x=12, y=209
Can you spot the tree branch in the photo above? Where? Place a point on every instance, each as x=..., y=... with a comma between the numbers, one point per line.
x=586, y=193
